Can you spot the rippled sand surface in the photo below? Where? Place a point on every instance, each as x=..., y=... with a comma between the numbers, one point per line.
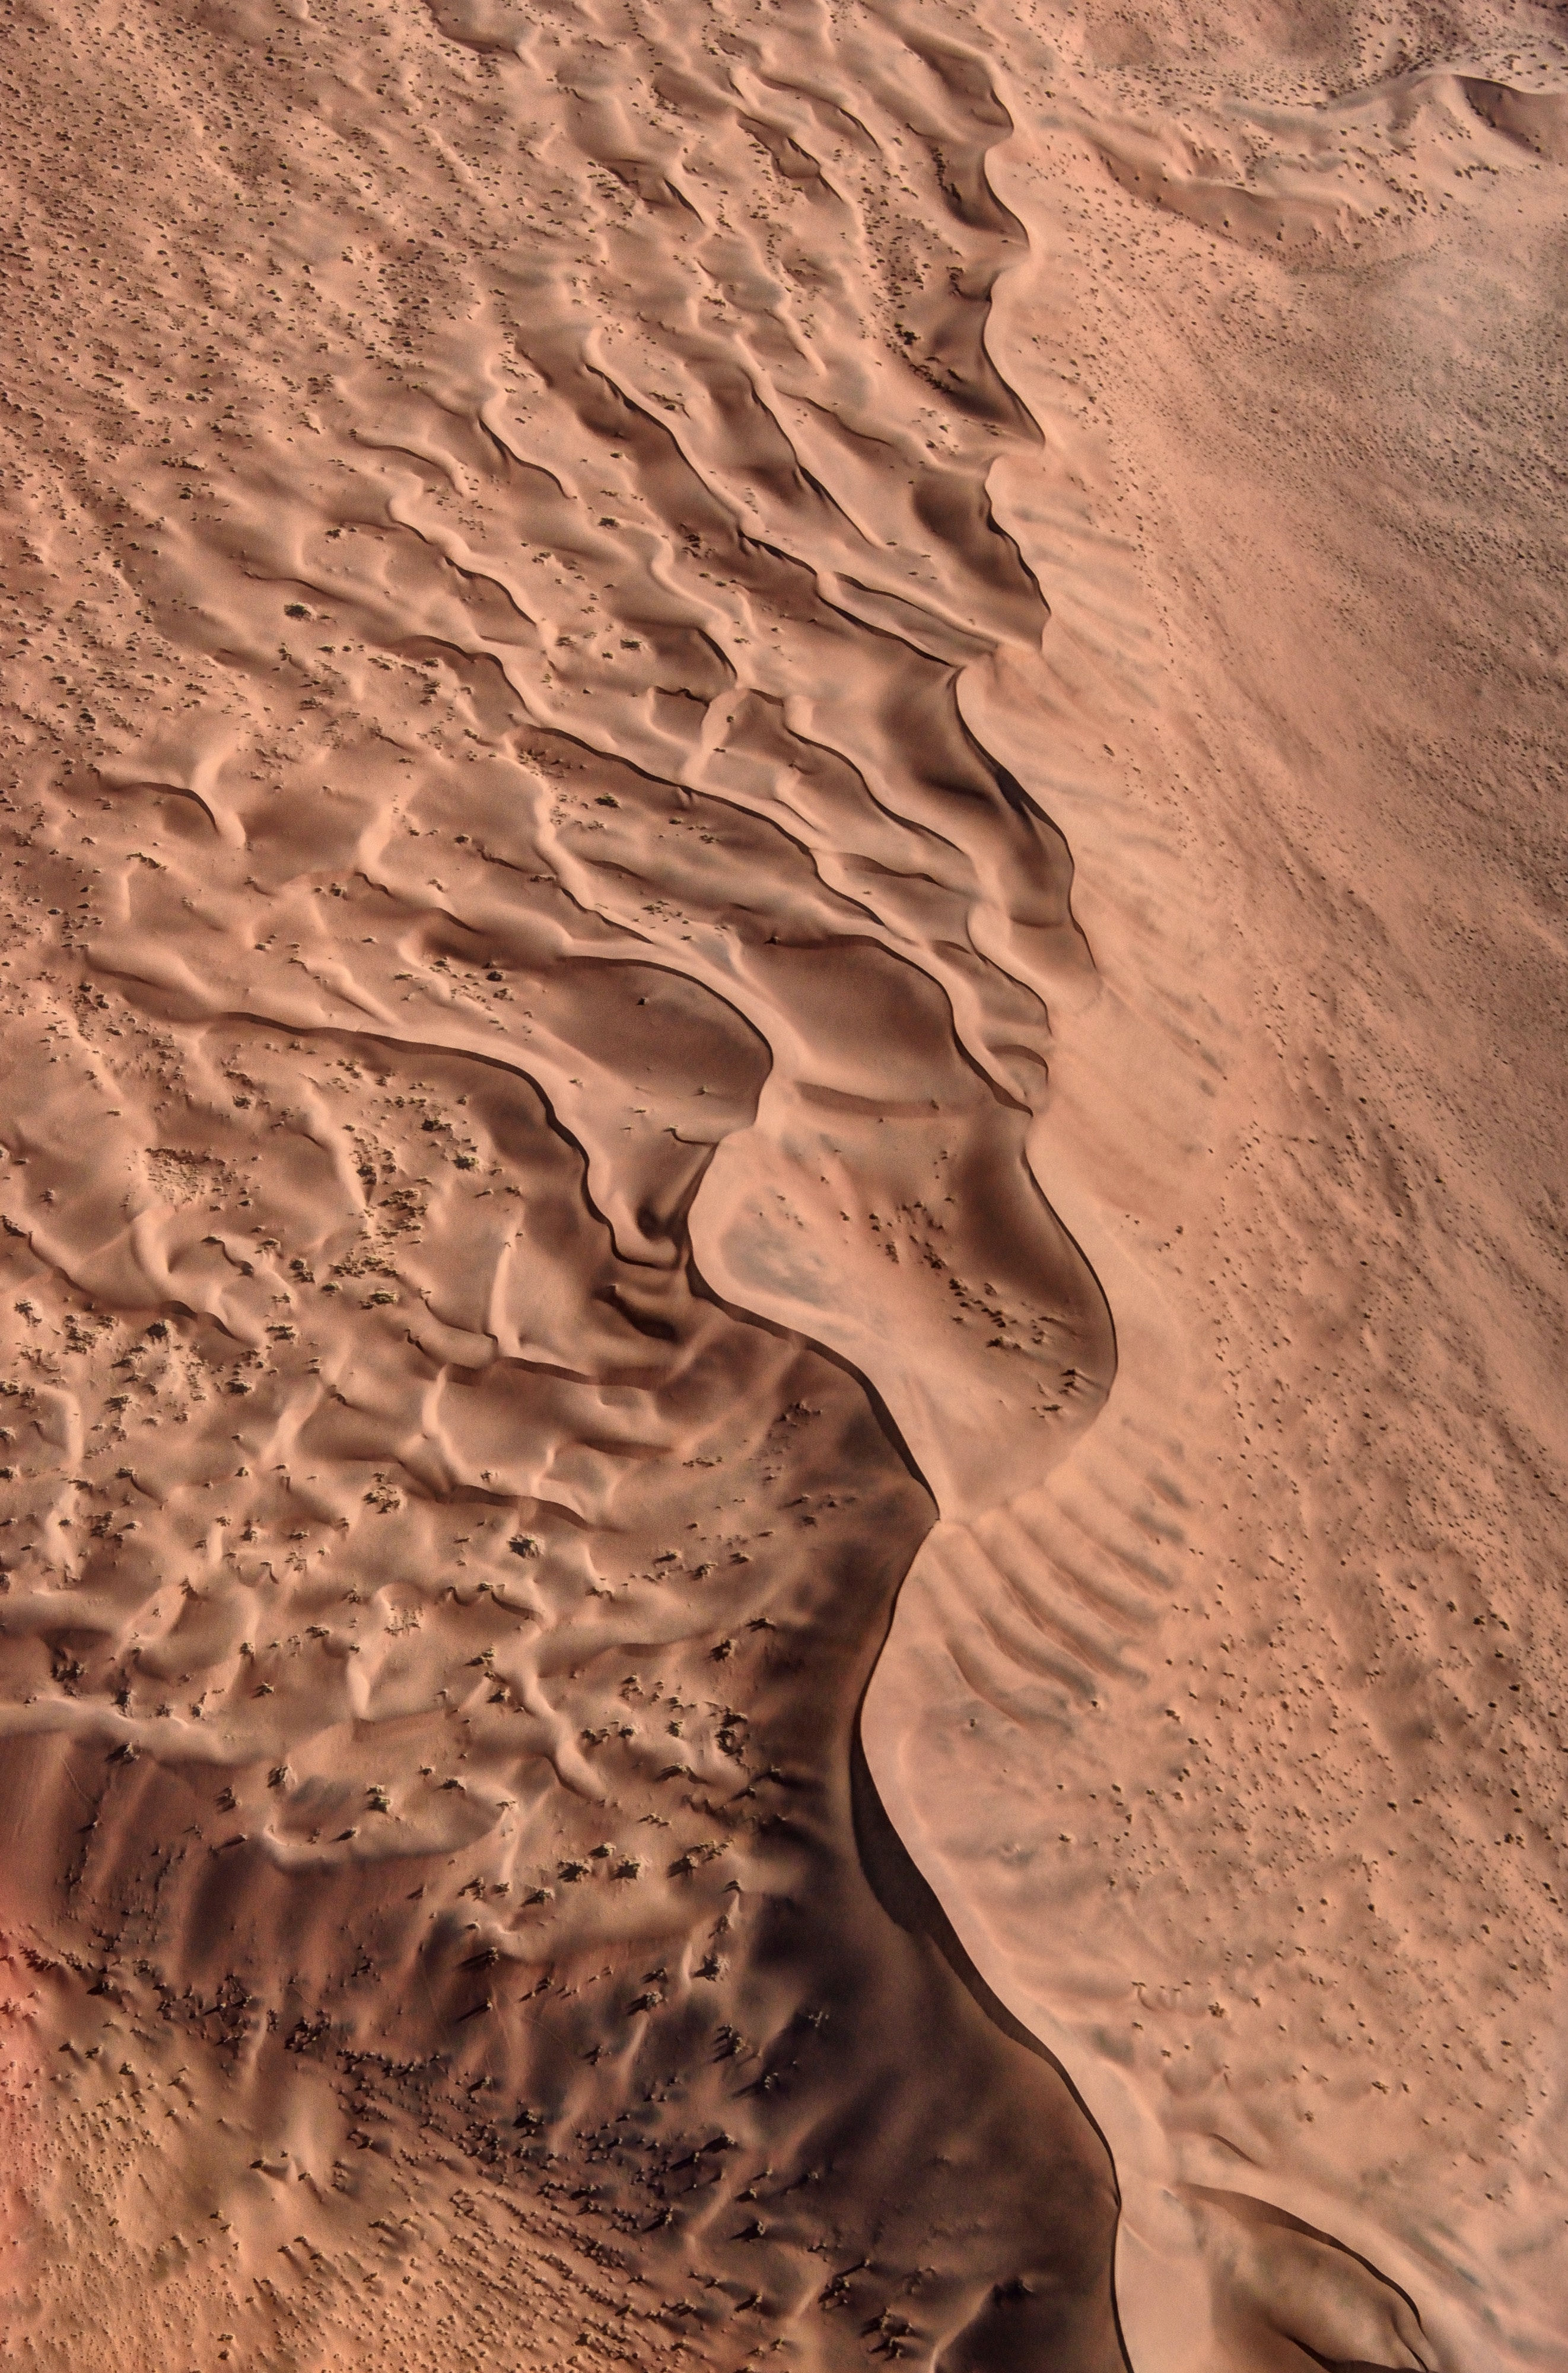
x=783, y=793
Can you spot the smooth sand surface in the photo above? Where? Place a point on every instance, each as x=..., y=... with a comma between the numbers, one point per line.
x=783, y=812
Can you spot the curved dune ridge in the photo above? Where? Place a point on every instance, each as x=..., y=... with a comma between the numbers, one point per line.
x=564, y=594
x=559, y=742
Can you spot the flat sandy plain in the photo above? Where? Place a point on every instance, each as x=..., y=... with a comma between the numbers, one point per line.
x=784, y=791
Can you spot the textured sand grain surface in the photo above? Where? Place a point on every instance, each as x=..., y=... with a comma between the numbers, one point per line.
x=781, y=1474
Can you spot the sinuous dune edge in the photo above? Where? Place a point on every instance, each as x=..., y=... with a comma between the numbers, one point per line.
x=783, y=812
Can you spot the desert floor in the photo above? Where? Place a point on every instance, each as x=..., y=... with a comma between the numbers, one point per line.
x=894, y=673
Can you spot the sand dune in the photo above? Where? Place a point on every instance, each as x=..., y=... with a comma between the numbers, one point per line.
x=890, y=676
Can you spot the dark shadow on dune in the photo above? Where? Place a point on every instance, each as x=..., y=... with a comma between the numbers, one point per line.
x=908, y=1897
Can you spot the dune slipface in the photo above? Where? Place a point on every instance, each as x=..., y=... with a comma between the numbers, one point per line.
x=735, y=1525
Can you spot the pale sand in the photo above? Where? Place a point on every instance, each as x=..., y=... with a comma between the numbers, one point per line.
x=784, y=825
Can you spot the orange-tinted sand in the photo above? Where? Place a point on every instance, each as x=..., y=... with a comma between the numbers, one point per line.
x=781, y=1482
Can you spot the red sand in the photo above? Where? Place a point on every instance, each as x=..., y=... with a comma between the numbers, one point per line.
x=784, y=813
